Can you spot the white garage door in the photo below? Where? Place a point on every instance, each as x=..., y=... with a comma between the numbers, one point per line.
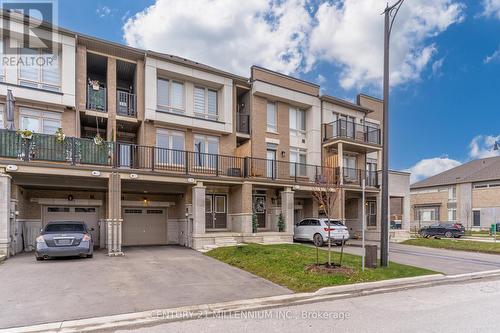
x=144, y=226
x=70, y=213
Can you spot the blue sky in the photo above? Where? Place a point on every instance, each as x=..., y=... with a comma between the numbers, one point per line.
x=440, y=104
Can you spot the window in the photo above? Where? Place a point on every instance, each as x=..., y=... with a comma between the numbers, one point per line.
x=271, y=117
x=206, y=151
x=2, y=115
x=45, y=122
x=343, y=125
x=170, y=147
x=205, y=103
x=154, y=211
x=271, y=161
x=84, y=210
x=452, y=193
x=298, y=156
x=58, y=209
x=452, y=214
x=297, y=122
x=476, y=219
x=427, y=214
x=39, y=70
x=170, y=95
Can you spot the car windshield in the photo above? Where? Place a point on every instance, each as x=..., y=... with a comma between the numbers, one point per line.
x=64, y=227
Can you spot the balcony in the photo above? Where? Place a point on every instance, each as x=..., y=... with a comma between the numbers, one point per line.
x=125, y=104
x=96, y=98
x=82, y=152
x=354, y=177
x=343, y=129
x=242, y=123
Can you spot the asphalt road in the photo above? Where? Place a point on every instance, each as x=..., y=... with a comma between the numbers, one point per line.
x=448, y=262
x=466, y=307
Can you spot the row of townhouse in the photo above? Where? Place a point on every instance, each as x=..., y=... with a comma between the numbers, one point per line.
x=468, y=194
x=189, y=154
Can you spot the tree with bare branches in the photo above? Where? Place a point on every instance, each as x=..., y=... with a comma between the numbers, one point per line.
x=326, y=191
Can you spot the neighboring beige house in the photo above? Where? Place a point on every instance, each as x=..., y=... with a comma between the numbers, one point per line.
x=189, y=153
x=468, y=194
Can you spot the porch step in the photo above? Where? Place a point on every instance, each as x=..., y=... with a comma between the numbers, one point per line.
x=207, y=248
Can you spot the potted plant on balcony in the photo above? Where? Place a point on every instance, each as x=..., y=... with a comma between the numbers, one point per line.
x=281, y=223
x=25, y=134
x=60, y=136
x=98, y=140
x=94, y=84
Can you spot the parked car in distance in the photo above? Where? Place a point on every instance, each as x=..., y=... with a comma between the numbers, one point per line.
x=316, y=230
x=438, y=230
x=64, y=239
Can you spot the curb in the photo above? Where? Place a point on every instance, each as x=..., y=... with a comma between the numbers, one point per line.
x=162, y=316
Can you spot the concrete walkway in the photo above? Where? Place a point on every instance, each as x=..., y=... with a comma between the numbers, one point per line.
x=439, y=260
x=145, y=278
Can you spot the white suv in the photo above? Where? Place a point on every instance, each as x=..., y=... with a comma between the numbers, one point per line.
x=316, y=230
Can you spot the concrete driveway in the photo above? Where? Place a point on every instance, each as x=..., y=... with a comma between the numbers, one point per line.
x=145, y=278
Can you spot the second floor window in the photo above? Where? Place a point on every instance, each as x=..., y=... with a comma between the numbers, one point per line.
x=452, y=193
x=170, y=146
x=297, y=121
x=298, y=159
x=39, y=69
x=272, y=117
x=206, y=151
x=39, y=121
x=170, y=95
x=205, y=103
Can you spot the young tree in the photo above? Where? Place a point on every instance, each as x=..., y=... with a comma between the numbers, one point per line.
x=326, y=190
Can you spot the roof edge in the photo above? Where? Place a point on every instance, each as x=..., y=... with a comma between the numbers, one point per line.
x=344, y=103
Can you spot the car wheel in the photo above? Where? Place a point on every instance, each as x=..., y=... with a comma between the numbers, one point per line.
x=424, y=235
x=38, y=258
x=318, y=240
x=448, y=234
x=90, y=255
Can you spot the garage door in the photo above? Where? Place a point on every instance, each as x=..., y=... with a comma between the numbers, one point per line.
x=70, y=213
x=144, y=226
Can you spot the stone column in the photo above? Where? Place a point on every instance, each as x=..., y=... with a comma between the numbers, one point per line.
x=5, y=183
x=111, y=98
x=198, y=209
x=114, y=220
x=287, y=205
x=242, y=214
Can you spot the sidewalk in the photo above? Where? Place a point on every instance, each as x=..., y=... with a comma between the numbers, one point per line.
x=159, y=316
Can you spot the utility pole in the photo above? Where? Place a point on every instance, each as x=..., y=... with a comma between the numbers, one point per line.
x=390, y=13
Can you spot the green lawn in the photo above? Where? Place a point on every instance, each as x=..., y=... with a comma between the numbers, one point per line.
x=462, y=245
x=285, y=264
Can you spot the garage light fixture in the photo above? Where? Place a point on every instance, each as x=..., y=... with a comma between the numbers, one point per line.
x=96, y=173
x=296, y=187
x=190, y=180
x=133, y=175
x=11, y=167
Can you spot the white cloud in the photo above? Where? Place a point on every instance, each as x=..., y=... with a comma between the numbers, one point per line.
x=482, y=146
x=103, y=11
x=349, y=34
x=227, y=34
x=495, y=56
x=491, y=8
x=320, y=79
x=437, y=66
x=430, y=167
x=292, y=36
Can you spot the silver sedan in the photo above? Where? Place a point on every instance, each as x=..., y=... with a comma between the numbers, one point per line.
x=63, y=239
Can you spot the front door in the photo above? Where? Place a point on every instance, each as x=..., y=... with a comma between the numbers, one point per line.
x=259, y=208
x=125, y=155
x=215, y=211
x=371, y=214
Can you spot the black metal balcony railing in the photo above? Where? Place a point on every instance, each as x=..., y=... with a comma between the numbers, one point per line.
x=344, y=129
x=125, y=104
x=96, y=98
x=242, y=123
x=78, y=151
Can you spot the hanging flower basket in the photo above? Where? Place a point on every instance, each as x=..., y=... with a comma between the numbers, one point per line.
x=60, y=136
x=98, y=140
x=95, y=84
x=25, y=134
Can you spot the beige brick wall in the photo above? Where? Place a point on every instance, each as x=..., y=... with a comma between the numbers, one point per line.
x=485, y=197
x=81, y=77
x=440, y=198
x=259, y=129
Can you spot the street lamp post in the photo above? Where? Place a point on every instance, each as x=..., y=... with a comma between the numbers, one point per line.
x=390, y=13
